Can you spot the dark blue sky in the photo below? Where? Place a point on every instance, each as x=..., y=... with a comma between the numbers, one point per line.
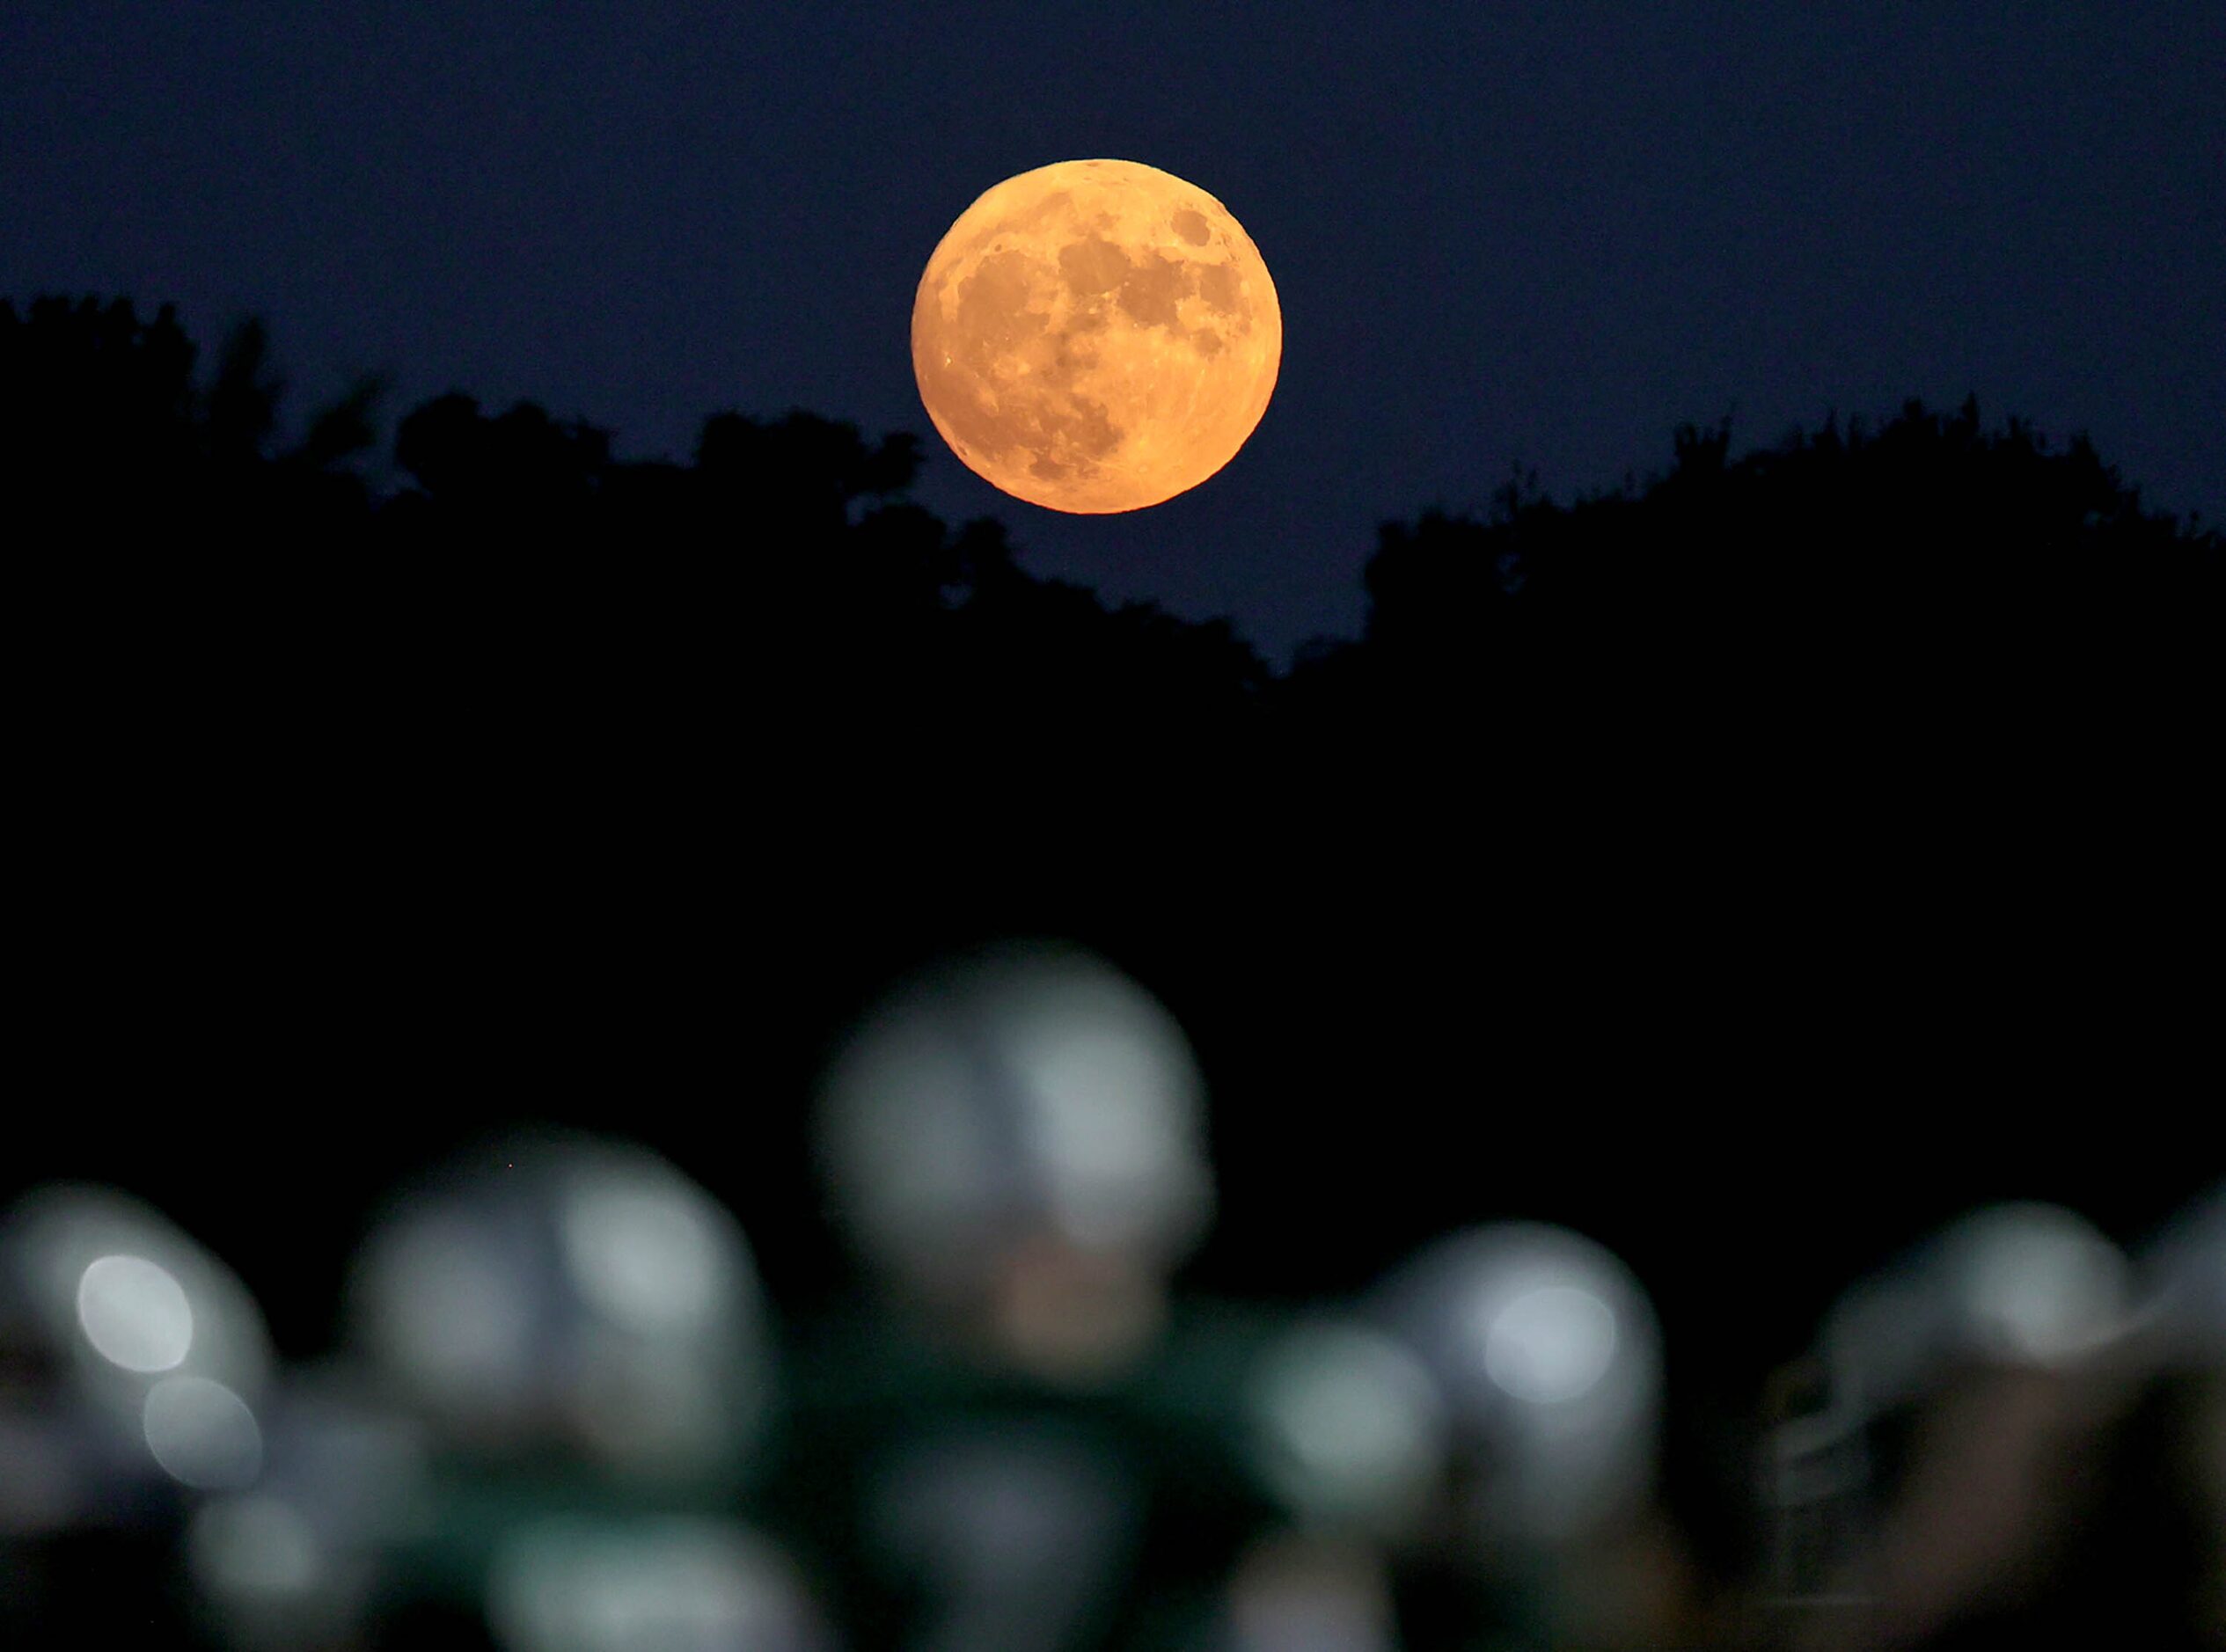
x=1544, y=233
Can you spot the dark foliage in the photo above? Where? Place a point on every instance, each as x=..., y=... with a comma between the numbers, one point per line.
x=1658, y=862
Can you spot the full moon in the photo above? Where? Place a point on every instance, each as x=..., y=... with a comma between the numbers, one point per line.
x=1096, y=336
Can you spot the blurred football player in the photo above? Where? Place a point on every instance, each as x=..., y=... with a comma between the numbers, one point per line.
x=132, y=1364
x=1016, y=1145
x=1543, y=1527
x=580, y=1327
x=1025, y=1439
x=1967, y=1394
x=292, y=1562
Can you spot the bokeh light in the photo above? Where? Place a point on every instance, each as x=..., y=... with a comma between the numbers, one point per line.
x=134, y=1313
x=1550, y=1345
x=203, y=1433
x=1347, y=1428
x=645, y=1585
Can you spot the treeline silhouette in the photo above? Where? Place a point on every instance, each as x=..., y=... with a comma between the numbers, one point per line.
x=1690, y=844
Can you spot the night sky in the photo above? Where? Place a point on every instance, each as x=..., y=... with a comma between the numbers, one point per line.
x=1505, y=233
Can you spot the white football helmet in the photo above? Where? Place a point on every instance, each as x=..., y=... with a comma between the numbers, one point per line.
x=151, y=1357
x=1020, y=1135
x=1547, y=1360
x=569, y=1296
x=1951, y=1383
x=2013, y=1285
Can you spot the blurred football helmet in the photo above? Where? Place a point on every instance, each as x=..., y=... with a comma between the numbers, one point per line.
x=134, y=1370
x=144, y=1356
x=573, y=1300
x=1928, y=1478
x=1017, y=1140
x=2027, y=1285
x=1546, y=1357
x=1346, y=1429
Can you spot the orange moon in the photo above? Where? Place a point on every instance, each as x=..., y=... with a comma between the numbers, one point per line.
x=1096, y=336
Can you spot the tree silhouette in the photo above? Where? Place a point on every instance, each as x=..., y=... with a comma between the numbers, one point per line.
x=105, y=430
x=1819, y=780
x=1833, y=587
x=96, y=409
x=1719, y=773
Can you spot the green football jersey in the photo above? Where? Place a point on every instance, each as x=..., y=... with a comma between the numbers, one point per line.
x=937, y=1501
